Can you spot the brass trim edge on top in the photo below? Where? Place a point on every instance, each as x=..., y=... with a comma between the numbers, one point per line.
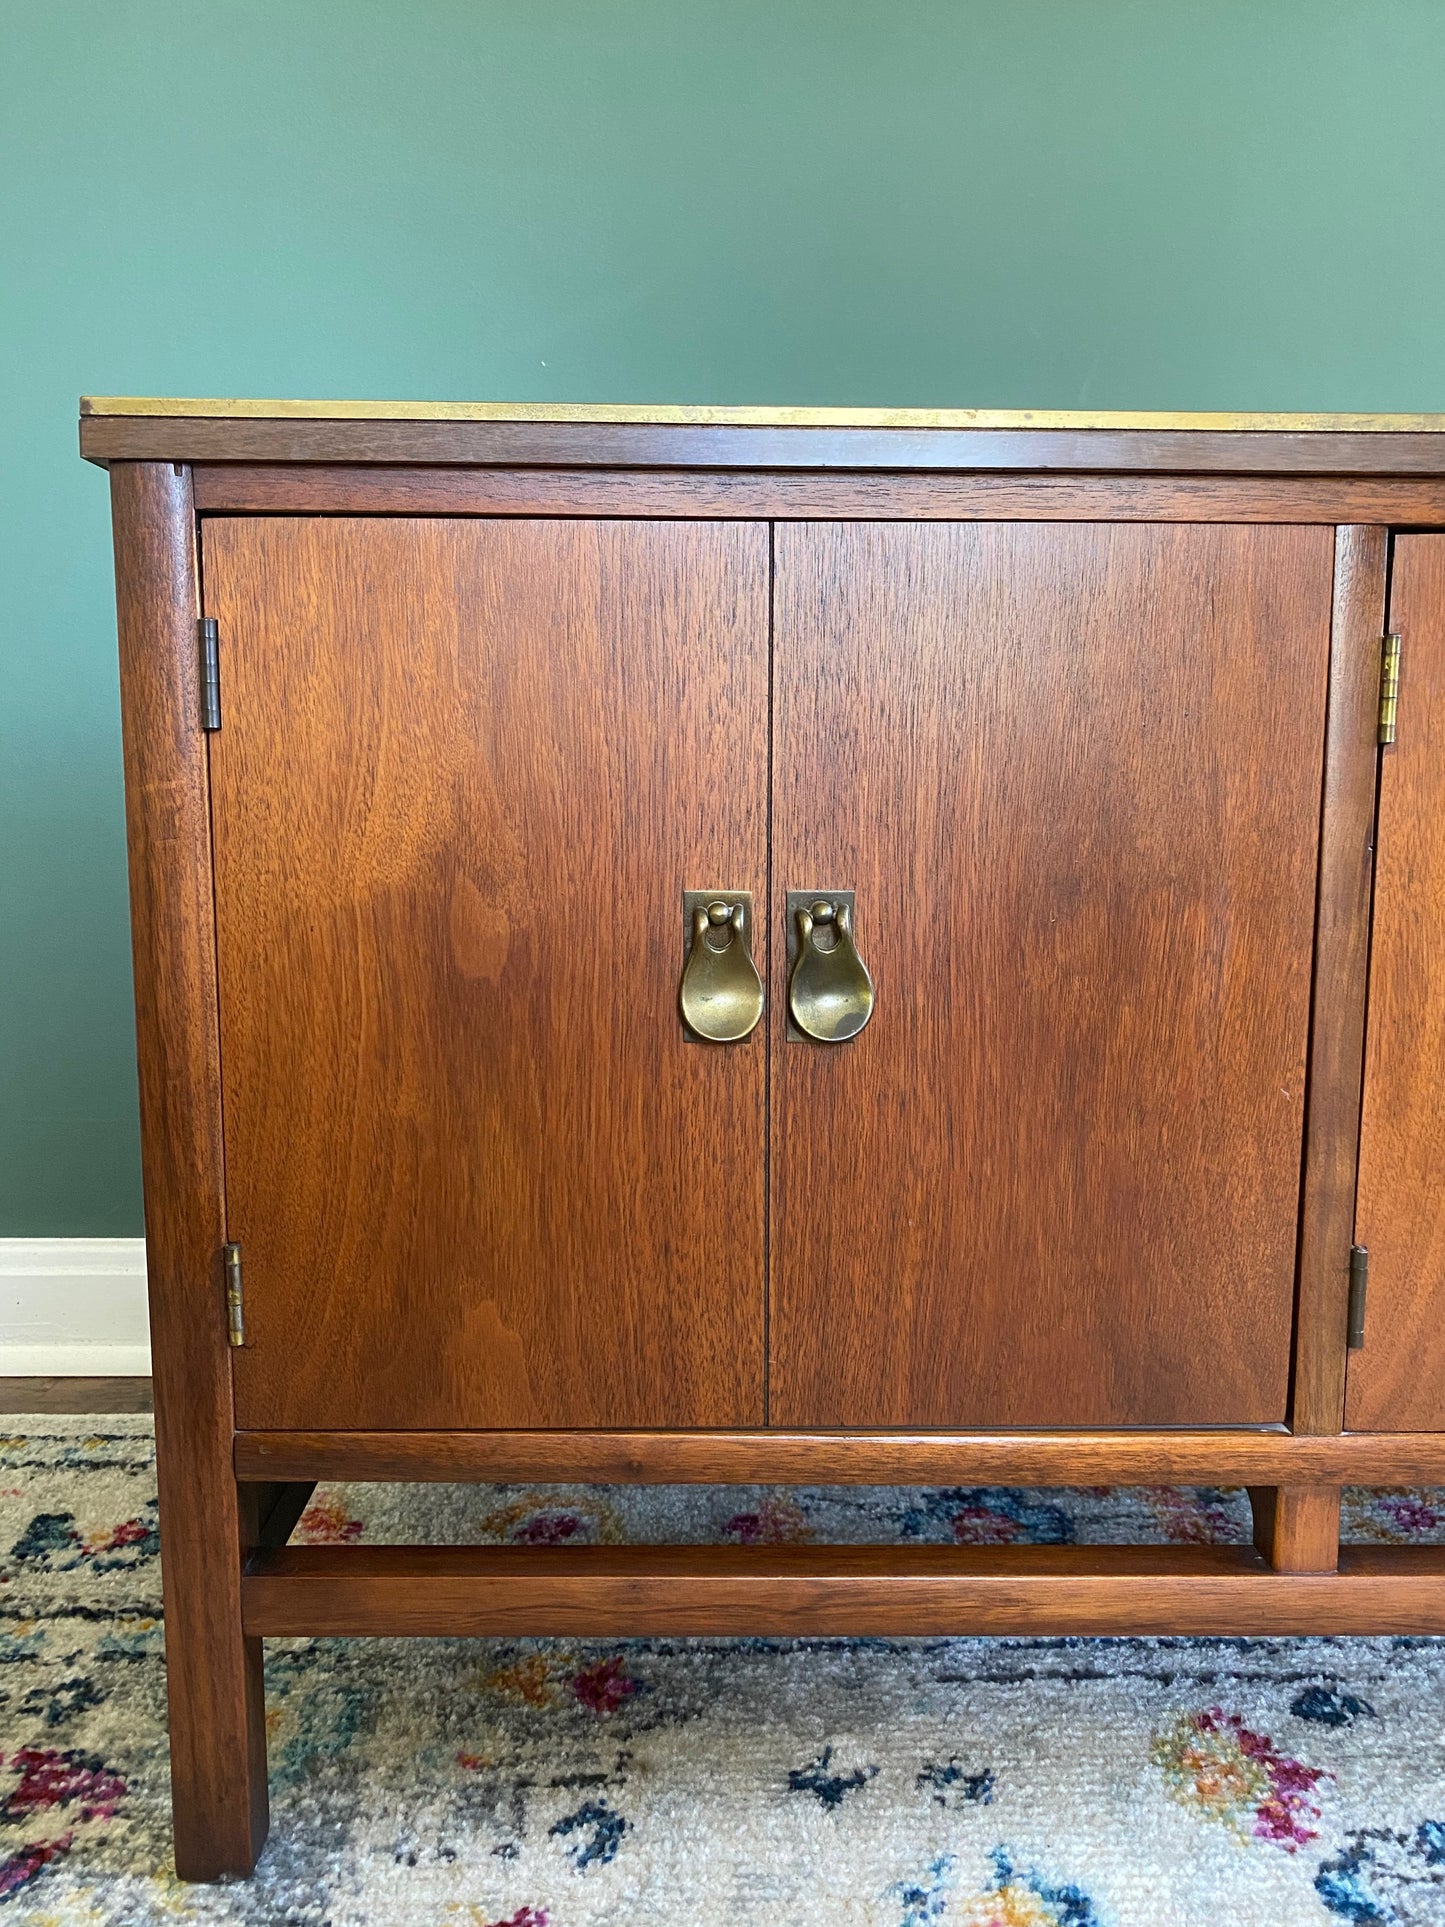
x=706, y=416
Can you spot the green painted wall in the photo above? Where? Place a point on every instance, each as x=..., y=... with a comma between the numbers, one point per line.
x=1063, y=203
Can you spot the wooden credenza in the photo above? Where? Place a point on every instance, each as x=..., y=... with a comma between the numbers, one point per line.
x=703, y=945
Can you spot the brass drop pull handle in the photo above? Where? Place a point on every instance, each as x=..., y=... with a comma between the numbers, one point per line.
x=722, y=993
x=830, y=994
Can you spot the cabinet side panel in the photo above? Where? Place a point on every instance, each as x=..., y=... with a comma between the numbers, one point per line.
x=1397, y=1381
x=213, y=1675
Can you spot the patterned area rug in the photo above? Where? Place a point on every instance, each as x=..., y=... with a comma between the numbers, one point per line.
x=756, y=1783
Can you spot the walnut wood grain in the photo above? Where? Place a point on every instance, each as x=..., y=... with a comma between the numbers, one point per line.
x=1397, y=1381
x=1073, y=774
x=466, y=771
x=777, y=1457
x=625, y=445
x=1051, y=1591
x=213, y=1671
x=337, y=489
x=1342, y=945
x=1297, y=1527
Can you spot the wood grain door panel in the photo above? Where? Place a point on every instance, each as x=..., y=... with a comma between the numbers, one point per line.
x=1396, y=1382
x=466, y=770
x=1073, y=774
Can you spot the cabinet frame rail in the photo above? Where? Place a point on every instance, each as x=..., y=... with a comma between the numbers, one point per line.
x=777, y=1457
x=786, y=1591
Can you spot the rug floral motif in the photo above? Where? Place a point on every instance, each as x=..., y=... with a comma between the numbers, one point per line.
x=692, y=1783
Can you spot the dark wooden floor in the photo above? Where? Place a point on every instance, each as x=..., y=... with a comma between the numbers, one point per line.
x=75, y=1395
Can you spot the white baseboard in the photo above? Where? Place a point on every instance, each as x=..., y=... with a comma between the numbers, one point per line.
x=73, y=1308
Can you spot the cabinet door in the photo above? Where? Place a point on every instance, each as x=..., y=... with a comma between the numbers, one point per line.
x=1073, y=774
x=465, y=772
x=1397, y=1381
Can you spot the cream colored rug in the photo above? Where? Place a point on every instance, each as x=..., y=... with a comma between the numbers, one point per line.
x=757, y=1783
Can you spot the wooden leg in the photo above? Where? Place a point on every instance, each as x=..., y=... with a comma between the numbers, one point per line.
x=1297, y=1527
x=213, y=1669
x=217, y=1712
x=214, y=1682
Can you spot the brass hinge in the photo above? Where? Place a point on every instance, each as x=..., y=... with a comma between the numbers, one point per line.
x=210, y=639
x=1389, y=687
x=235, y=1307
x=1359, y=1279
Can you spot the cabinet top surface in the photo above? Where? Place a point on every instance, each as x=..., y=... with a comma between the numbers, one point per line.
x=630, y=436
x=706, y=415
